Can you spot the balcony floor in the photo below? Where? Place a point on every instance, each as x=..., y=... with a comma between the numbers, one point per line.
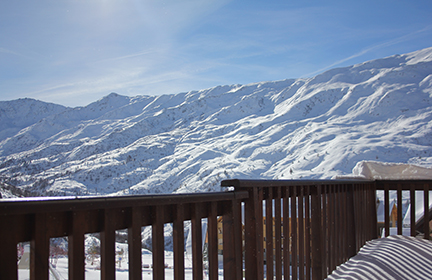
x=395, y=257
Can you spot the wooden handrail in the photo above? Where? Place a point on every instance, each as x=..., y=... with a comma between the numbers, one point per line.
x=330, y=238
x=37, y=220
x=412, y=187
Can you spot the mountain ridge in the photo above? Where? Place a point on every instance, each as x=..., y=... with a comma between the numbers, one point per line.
x=317, y=127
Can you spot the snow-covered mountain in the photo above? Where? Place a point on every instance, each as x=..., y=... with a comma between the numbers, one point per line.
x=188, y=142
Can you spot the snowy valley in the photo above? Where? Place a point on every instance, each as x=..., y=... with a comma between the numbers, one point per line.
x=316, y=127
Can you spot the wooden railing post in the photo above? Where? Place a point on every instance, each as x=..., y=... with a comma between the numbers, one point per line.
x=134, y=243
x=39, y=249
x=178, y=236
x=232, y=255
x=108, y=246
x=158, y=245
x=197, y=257
x=8, y=251
x=317, y=262
x=254, y=235
x=213, y=262
x=76, y=246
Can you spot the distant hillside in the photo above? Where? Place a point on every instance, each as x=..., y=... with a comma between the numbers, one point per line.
x=188, y=142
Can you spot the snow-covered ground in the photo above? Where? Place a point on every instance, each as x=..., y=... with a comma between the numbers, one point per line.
x=59, y=266
x=395, y=257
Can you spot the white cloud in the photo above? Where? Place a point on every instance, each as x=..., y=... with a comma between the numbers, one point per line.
x=398, y=40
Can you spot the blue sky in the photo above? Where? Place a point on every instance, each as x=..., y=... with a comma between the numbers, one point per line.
x=74, y=52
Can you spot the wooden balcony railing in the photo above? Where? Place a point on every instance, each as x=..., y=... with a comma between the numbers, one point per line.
x=332, y=220
x=317, y=225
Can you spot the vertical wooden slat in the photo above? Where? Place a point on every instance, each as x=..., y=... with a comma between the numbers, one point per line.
x=39, y=249
x=232, y=249
x=399, y=209
x=338, y=230
x=335, y=228
x=426, y=212
x=286, y=235
x=358, y=214
x=8, y=251
x=212, y=242
x=307, y=235
x=353, y=212
x=76, y=246
x=351, y=225
x=254, y=234
x=335, y=233
x=331, y=231
x=412, y=207
x=373, y=191
x=251, y=268
x=228, y=245
x=325, y=227
x=386, y=210
x=108, y=246
x=178, y=236
x=259, y=237
x=238, y=236
x=364, y=216
x=345, y=222
x=317, y=264
x=278, y=233
x=301, y=234
x=197, y=260
x=269, y=233
x=158, y=245
x=341, y=226
x=294, y=232
x=134, y=244
x=367, y=214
